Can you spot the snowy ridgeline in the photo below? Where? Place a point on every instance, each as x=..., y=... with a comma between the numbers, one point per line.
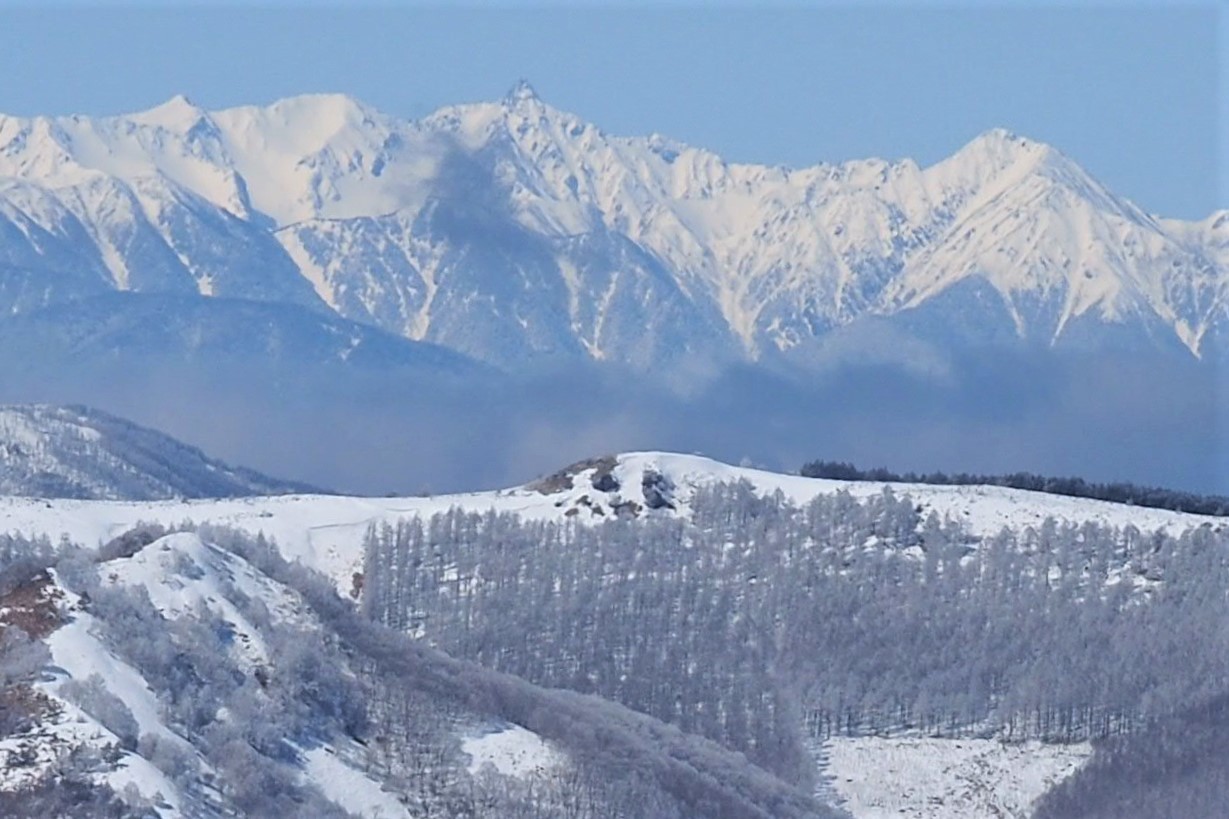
x=769, y=618
x=629, y=249
x=327, y=532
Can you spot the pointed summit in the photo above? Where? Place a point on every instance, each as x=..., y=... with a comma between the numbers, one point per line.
x=521, y=93
x=990, y=154
x=1002, y=145
x=177, y=113
x=177, y=103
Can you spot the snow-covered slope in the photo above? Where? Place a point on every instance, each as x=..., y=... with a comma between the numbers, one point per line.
x=192, y=682
x=183, y=578
x=512, y=228
x=326, y=532
x=75, y=452
x=926, y=778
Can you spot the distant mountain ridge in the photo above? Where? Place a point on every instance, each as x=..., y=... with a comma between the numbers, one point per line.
x=79, y=453
x=177, y=331
x=511, y=231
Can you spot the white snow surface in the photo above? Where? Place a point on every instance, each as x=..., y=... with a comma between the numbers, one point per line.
x=325, y=532
x=183, y=574
x=876, y=777
x=772, y=256
x=78, y=654
x=349, y=788
x=511, y=750
x=922, y=778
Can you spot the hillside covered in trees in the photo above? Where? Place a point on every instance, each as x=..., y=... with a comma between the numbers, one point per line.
x=692, y=651
x=200, y=674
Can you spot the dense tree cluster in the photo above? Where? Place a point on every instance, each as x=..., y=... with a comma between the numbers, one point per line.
x=22, y=558
x=68, y=790
x=1117, y=492
x=849, y=616
x=621, y=764
x=1175, y=766
x=751, y=626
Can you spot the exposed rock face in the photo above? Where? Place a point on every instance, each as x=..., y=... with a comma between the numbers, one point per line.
x=602, y=480
x=658, y=490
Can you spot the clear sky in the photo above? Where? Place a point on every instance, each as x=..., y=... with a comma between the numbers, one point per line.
x=1138, y=95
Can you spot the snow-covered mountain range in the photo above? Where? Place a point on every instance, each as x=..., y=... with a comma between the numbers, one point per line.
x=75, y=452
x=511, y=230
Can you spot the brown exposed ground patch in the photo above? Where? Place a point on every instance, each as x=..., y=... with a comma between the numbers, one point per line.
x=22, y=709
x=627, y=509
x=565, y=478
x=33, y=607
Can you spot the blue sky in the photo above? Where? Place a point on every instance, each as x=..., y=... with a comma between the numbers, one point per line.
x=1136, y=95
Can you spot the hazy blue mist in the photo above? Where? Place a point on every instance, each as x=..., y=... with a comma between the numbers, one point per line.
x=1095, y=417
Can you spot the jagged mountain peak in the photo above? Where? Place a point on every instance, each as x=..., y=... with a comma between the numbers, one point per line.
x=999, y=160
x=1003, y=142
x=605, y=230
x=520, y=117
x=521, y=93
x=331, y=109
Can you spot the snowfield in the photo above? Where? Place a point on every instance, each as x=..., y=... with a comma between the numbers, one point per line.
x=351, y=789
x=922, y=778
x=511, y=750
x=326, y=532
x=74, y=728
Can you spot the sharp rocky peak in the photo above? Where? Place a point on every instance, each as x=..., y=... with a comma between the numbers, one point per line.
x=520, y=94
